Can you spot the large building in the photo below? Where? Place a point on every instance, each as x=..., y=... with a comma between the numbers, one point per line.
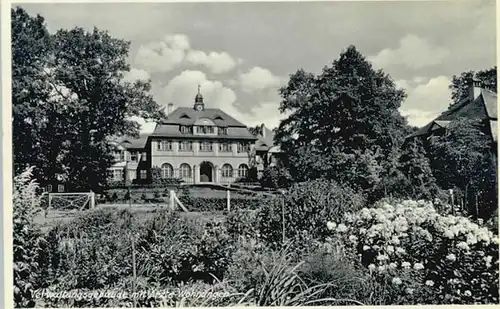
x=195, y=144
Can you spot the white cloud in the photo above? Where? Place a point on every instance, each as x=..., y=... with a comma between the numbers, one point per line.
x=175, y=51
x=258, y=79
x=426, y=101
x=216, y=62
x=413, y=52
x=147, y=127
x=267, y=113
x=182, y=89
x=136, y=74
x=162, y=56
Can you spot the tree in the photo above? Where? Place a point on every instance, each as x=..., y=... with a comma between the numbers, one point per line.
x=460, y=84
x=462, y=158
x=31, y=45
x=347, y=112
x=84, y=102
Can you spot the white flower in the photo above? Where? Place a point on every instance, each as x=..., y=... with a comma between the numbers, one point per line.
x=405, y=265
x=365, y=247
x=463, y=245
x=471, y=239
x=392, y=265
x=353, y=238
x=341, y=228
x=396, y=281
x=382, y=268
x=400, y=250
x=409, y=291
x=371, y=267
x=418, y=266
x=468, y=293
x=429, y=283
x=331, y=225
x=449, y=234
x=395, y=240
x=382, y=257
x=389, y=249
x=451, y=257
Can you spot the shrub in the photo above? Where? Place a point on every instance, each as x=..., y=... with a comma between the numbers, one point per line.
x=220, y=203
x=306, y=205
x=242, y=223
x=26, y=239
x=425, y=256
x=276, y=177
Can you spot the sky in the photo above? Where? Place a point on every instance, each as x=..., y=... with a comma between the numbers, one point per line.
x=242, y=53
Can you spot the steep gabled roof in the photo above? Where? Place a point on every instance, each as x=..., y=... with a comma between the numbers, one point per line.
x=132, y=142
x=188, y=116
x=265, y=140
x=484, y=107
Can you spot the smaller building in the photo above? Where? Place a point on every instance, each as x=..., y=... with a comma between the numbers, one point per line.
x=267, y=153
x=130, y=160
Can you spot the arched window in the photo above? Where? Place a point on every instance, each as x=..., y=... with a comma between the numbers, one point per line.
x=185, y=171
x=227, y=171
x=167, y=171
x=243, y=171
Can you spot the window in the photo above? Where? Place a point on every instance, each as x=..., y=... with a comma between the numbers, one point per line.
x=205, y=129
x=206, y=146
x=225, y=147
x=117, y=174
x=144, y=174
x=60, y=188
x=185, y=171
x=164, y=145
x=243, y=171
x=134, y=156
x=144, y=156
x=243, y=147
x=122, y=155
x=222, y=131
x=167, y=171
x=185, y=130
x=186, y=146
x=227, y=171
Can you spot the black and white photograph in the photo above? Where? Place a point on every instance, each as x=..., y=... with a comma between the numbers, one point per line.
x=223, y=154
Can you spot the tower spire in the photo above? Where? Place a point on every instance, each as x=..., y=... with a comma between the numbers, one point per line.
x=198, y=100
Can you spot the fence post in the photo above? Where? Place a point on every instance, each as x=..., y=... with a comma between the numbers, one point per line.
x=228, y=202
x=92, y=199
x=172, y=200
x=134, y=273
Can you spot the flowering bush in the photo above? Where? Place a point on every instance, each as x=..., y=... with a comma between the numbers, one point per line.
x=430, y=258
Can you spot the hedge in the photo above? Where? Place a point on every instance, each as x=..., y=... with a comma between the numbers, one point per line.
x=220, y=204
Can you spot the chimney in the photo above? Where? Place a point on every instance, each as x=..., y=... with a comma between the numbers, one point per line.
x=262, y=130
x=170, y=108
x=474, y=89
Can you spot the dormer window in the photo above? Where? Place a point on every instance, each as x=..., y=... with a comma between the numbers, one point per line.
x=222, y=131
x=218, y=118
x=185, y=116
x=185, y=130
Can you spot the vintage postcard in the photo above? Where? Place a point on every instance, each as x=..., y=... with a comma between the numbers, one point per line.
x=206, y=154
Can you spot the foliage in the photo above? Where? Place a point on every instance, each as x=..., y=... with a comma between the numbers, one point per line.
x=428, y=257
x=69, y=97
x=462, y=157
x=460, y=85
x=220, y=203
x=26, y=239
x=275, y=177
x=343, y=123
x=305, y=206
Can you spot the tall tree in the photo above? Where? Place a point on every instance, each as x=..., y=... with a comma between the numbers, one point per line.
x=460, y=84
x=86, y=101
x=31, y=46
x=462, y=158
x=347, y=112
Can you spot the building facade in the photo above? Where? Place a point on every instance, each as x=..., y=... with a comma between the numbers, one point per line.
x=194, y=144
